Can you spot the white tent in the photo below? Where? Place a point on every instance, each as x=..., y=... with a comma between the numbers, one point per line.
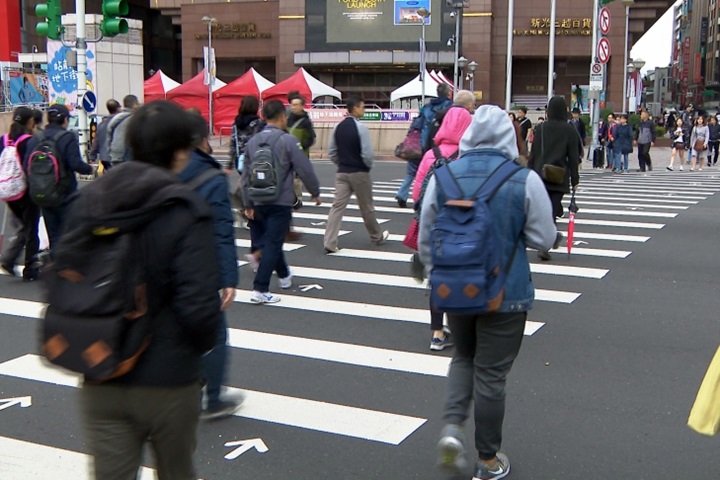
x=414, y=88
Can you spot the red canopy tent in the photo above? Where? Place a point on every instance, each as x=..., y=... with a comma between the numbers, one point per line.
x=226, y=100
x=308, y=86
x=194, y=93
x=157, y=86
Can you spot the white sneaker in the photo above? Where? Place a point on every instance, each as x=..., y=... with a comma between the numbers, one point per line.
x=286, y=282
x=681, y=168
x=260, y=297
x=383, y=239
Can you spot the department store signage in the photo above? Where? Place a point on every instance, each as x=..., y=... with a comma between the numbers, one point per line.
x=234, y=31
x=563, y=27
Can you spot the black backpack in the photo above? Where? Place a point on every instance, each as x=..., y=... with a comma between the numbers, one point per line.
x=265, y=175
x=97, y=321
x=46, y=173
x=433, y=125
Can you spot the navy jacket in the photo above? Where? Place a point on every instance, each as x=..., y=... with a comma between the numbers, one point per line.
x=215, y=192
x=69, y=149
x=624, y=138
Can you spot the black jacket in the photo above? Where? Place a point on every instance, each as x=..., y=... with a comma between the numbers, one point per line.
x=556, y=143
x=714, y=132
x=181, y=274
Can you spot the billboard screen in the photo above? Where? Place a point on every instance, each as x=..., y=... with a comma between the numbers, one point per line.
x=375, y=24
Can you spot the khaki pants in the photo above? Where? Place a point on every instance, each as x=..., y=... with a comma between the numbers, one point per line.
x=346, y=184
x=120, y=419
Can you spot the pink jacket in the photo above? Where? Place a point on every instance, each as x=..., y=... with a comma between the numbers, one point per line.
x=456, y=121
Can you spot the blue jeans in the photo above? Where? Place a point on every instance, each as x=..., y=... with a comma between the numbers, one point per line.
x=621, y=158
x=215, y=365
x=277, y=220
x=404, y=190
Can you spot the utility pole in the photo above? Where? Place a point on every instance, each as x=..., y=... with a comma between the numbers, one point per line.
x=509, y=64
x=551, y=52
x=81, y=47
x=595, y=96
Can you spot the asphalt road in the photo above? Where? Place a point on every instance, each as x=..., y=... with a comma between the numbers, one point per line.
x=341, y=383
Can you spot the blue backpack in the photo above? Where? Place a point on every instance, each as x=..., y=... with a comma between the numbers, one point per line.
x=467, y=275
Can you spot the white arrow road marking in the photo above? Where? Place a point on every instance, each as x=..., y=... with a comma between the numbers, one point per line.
x=307, y=288
x=244, y=446
x=23, y=402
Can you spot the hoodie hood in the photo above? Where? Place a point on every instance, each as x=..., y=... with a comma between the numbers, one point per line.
x=242, y=121
x=491, y=128
x=453, y=126
x=557, y=109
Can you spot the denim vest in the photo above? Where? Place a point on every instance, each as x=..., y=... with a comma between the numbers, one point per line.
x=508, y=210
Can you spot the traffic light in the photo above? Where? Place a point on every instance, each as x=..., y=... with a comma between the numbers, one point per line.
x=52, y=13
x=112, y=25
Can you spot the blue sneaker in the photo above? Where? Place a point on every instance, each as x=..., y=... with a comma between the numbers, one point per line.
x=451, y=450
x=440, y=343
x=501, y=469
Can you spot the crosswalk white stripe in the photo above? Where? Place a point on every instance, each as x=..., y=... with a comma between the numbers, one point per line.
x=613, y=223
x=407, y=282
x=357, y=309
x=610, y=236
x=317, y=231
x=23, y=460
x=628, y=213
x=660, y=187
x=550, y=269
x=352, y=354
x=352, y=206
x=635, y=181
x=625, y=204
x=319, y=216
x=641, y=192
x=287, y=247
x=594, y=252
x=615, y=199
x=325, y=417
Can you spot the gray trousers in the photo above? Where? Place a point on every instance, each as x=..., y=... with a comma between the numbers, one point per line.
x=120, y=419
x=346, y=184
x=485, y=348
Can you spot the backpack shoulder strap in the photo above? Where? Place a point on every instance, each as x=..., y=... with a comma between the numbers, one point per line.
x=22, y=138
x=448, y=183
x=497, y=179
x=206, y=175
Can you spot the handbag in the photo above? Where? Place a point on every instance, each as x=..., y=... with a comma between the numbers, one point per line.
x=705, y=413
x=411, y=146
x=699, y=145
x=550, y=173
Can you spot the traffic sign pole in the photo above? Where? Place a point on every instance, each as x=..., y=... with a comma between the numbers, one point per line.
x=595, y=99
x=81, y=45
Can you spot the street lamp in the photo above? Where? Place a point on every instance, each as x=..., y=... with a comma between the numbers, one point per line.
x=209, y=65
x=461, y=63
x=457, y=13
x=627, y=4
x=472, y=66
x=424, y=14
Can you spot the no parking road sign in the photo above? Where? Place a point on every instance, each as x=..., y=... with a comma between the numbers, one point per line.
x=603, y=50
x=604, y=20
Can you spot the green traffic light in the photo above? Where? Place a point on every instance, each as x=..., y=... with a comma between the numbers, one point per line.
x=41, y=10
x=42, y=29
x=112, y=8
x=114, y=26
x=52, y=13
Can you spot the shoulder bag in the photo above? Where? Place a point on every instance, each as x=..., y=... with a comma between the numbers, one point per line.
x=550, y=173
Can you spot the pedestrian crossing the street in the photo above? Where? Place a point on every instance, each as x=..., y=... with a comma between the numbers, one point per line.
x=368, y=291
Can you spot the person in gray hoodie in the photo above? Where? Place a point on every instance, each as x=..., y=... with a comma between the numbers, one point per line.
x=644, y=139
x=487, y=344
x=117, y=147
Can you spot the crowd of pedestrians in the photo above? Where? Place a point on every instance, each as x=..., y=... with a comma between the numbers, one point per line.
x=163, y=185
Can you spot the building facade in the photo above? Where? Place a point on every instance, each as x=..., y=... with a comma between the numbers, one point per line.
x=371, y=47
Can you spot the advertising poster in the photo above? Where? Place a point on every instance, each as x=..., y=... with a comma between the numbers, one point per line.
x=388, y=21
x=579, y=98
x=27, y=88
x=406, y=12
x=62, y=78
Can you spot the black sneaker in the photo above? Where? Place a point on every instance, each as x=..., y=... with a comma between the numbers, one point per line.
x=401, y=203
x=30, y=274
x=9, y=269
x=222, y=409
x=544, y=256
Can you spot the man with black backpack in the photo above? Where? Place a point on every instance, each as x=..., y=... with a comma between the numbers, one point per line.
x=272, y=158
x=479, y=214
x=52, y=159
